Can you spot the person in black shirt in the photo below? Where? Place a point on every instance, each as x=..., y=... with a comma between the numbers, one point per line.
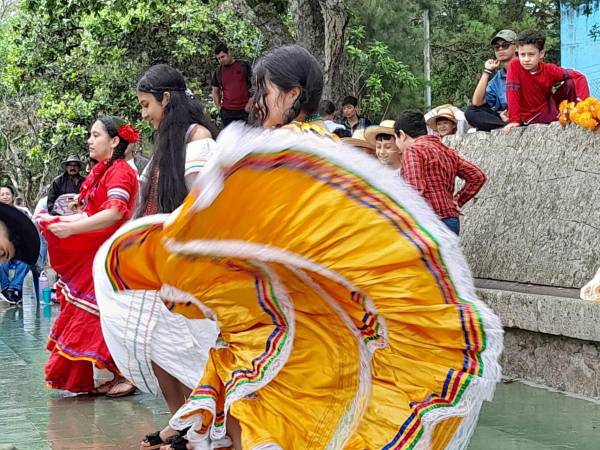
x=352, y=121
x=67, y=183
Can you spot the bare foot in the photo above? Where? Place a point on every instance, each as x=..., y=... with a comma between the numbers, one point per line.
x=120, y=388
x=102, y=389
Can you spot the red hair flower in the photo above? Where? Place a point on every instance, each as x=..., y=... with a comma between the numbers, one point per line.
x=128, y=133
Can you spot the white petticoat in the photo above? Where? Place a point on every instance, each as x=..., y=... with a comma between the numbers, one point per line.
x=139, y=329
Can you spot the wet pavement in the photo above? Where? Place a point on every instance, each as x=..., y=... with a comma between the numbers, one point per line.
x=35, y=417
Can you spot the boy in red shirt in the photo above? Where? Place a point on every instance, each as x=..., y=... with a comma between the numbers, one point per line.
x=529, y=84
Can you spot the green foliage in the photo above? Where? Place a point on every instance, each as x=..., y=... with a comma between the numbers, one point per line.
x=461, y=34
x=82, y=58
x=399, y=28
x=460, y=39
x=374, y=75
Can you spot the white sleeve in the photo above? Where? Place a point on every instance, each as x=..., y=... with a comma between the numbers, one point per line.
x=197, y=155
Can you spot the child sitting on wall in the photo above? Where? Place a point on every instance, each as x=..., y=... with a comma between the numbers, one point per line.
x=530, y=81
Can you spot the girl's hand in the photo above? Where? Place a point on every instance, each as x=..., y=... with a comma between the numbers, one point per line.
x=491, y=64
x=61, y=229
x=45, y=217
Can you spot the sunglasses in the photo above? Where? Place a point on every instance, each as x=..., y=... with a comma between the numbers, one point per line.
x=73, y=165
x=502, y=46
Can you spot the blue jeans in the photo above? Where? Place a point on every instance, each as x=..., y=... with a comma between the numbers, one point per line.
x=453, y=223
x=41, y=262
x=20, y=269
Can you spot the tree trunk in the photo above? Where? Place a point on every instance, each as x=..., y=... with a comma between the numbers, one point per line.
x=266, y=18
x=320, y=26
x=335, y=19
x=310, y=29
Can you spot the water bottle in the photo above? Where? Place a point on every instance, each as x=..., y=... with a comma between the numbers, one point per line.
x=45, y=288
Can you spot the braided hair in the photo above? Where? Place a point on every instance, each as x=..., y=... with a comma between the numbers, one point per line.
x=288, y=67
x=112, y=125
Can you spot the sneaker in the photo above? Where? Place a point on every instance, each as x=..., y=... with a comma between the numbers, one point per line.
x=12, y=296
x=17, y=296
x=4, y=296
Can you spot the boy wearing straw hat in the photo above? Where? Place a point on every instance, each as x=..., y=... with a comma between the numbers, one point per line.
x=443, y=122
x=19, y=242
x=382, y=137
x=358, y=140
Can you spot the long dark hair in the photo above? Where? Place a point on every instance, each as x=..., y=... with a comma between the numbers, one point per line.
x=181, y=111
x=288, y=67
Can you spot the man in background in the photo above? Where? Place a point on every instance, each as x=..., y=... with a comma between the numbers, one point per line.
x=65, y=187
x=231, y=84
x=489, y=105
x=352, y=120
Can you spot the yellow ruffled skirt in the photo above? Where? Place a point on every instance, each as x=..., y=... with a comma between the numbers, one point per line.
x=347, y=314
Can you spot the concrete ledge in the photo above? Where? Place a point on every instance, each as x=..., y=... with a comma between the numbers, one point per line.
x=562, y=363
x=560, y=316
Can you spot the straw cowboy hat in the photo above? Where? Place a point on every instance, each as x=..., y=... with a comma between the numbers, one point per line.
x=444, y=111
x=71, y=159
x=23, y=234
x=358, y=140
x=385, y=127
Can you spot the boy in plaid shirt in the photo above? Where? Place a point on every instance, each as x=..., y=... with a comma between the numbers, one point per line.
x=431, y=167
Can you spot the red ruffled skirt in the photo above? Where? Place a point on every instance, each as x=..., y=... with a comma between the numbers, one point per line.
x=76, y=342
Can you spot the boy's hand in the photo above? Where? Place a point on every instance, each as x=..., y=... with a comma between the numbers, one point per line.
x=504, y=116
x=510, y=126
x=492, y=64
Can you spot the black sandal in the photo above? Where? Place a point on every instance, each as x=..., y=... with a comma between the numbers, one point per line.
x=177, y=443
x=155, y=441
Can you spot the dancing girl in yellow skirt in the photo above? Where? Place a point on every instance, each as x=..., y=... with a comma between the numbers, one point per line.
x=347, y=314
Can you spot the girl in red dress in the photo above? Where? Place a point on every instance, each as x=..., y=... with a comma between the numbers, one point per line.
x=107, y=199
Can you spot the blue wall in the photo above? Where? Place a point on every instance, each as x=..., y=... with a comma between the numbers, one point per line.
x=578, y=50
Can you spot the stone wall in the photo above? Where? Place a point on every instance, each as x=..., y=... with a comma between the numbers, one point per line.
x=565, y=364
x=532, y=238
x=549, y=340
x=537, y=220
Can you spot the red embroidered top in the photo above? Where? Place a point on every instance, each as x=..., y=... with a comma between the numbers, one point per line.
x=112, y=187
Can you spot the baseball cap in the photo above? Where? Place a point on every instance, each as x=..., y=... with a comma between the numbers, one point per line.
x=507, y=35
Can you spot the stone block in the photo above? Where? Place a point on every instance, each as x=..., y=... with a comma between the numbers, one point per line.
x=566, y=364
x=537, y=220
x=560, y=316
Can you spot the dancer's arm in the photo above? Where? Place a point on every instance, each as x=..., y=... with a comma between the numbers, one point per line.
x=103, y=219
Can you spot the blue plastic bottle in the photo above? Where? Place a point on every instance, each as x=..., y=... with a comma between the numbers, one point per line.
x=45, y=288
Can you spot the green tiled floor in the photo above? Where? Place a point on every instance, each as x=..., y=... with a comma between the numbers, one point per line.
x=35, y=417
